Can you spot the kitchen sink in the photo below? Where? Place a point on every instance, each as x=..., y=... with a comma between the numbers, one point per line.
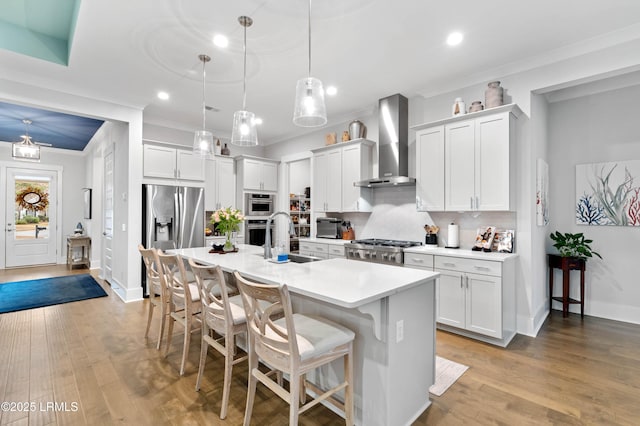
x=301, y=258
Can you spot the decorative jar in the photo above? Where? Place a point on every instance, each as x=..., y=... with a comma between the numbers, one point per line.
x=476, y=106
x=493, y=95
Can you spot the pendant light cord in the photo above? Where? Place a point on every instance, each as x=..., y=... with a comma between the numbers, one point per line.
x=309, y=23
x=244, y=78
x=204, y=105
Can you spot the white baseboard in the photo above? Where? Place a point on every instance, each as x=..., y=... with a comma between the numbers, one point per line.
x=126, y=294
x=529, y=326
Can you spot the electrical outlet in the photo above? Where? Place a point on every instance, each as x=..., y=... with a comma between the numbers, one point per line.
x=124, y=227
x=399, y=331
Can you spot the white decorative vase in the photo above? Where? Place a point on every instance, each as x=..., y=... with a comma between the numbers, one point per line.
x=493, y=95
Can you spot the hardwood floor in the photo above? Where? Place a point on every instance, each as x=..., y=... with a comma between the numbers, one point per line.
x=90, y=359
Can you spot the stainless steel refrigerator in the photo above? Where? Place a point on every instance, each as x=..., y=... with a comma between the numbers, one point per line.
x=172, y=217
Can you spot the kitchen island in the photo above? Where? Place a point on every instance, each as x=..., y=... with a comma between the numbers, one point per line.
x=390, y=308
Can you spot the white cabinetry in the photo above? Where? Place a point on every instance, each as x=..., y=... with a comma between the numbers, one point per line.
x=335, y=169
x=476, y=296
x=256, y=174
x=322, y=250
x=466, y=162
x=220, y=184
x=430, y=169
x=172, y=163
x=356, y=166
x=326, y=190
x=419, y=260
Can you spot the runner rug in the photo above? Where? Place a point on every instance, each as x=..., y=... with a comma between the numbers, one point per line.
x=447, y=372
x=20, y=295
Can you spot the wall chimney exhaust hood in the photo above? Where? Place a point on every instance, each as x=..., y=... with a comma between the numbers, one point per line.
x=393, y=144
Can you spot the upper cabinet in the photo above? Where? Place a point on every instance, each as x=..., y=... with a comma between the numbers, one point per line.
x=430, y=169
x=465, y=163
x=220, y=185
x=327, y=181
x=257, y=174
x=356, y=166
x=172, y=163
x=336, y=168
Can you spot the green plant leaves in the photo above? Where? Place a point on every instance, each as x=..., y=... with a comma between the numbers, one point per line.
x=573, y=245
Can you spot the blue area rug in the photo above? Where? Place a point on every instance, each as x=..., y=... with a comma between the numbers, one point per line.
x=20, y=295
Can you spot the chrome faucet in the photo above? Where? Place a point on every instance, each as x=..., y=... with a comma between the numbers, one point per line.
x=267, y=237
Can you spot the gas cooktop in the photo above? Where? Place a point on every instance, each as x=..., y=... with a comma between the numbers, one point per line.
x=387, y=243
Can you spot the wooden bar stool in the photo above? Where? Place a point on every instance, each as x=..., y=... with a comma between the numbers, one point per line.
x=567, y=264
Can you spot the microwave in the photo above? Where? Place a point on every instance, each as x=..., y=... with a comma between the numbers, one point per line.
x=259, y=204
x=328, y=227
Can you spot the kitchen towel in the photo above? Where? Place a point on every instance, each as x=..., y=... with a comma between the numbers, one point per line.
x=453, y=237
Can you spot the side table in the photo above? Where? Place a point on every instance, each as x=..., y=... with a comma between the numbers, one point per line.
x=83, y=244
x=567, y=264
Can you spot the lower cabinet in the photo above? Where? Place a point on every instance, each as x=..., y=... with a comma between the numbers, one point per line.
x=470, y=301
x=321, y=250
x=477, y=296
x=474, y=297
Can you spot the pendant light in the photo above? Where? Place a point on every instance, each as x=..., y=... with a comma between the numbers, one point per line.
x=244, y=132
x=203, y=139
x=309, y=109
x=26, y=150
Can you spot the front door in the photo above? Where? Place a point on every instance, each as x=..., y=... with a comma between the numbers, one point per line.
x=30, y=235
x=107, y=225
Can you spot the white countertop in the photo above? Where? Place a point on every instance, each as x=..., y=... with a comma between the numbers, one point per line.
x=337, y=242
x=466, y=253
x=342, y=282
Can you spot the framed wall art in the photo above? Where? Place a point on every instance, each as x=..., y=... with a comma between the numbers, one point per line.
x=608, y=193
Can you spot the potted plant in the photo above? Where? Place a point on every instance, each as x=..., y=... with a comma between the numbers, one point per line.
x=573, y=245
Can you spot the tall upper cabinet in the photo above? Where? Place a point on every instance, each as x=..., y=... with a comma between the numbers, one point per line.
x=220, y=186
x=466, y=163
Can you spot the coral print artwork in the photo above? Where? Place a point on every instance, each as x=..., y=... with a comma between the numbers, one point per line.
x=608, y=193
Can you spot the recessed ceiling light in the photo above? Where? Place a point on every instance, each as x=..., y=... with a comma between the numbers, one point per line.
x=220, y=40
x=163, y=95
x=455, y=38
x=258, y=120
x=332, y=90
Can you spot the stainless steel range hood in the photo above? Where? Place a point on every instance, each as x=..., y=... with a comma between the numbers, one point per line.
x=393, y=144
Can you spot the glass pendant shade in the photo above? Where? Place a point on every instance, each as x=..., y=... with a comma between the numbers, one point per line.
x=203, y=139
x=203, y=143
x=245, y=132
x=310, y=110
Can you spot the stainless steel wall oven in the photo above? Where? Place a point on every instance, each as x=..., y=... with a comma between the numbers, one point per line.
x=259, y=204
x=256, y=232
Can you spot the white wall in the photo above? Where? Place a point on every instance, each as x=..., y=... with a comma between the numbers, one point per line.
x=593, y=129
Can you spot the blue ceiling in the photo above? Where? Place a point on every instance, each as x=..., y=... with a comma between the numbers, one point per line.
x=62, y=131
